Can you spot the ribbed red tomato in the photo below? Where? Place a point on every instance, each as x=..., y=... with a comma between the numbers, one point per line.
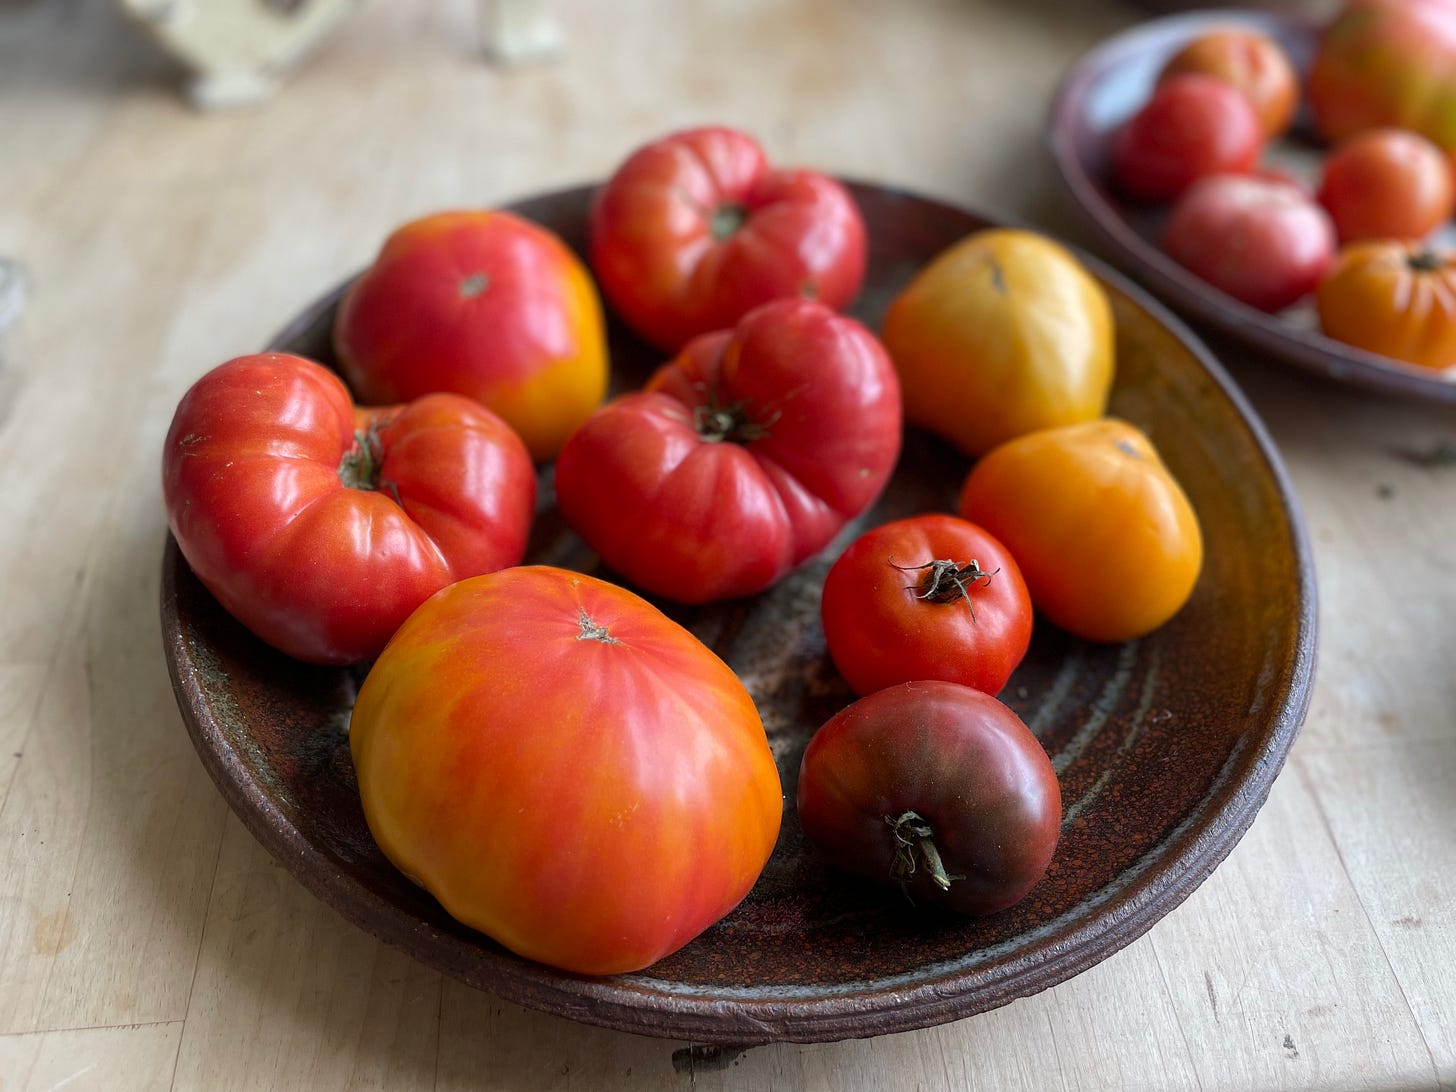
x=565, y=768
x=743, y=457
x=320, y=527
x=936, y=788
x=696, y=229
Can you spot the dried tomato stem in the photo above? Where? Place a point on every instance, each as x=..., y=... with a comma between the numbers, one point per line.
x=915, y=849
x=945, y=581
x=359, y=468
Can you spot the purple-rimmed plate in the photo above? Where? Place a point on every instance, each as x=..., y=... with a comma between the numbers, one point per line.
x=1105, y=88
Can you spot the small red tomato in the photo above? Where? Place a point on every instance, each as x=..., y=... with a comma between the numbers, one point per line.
x=484, y=304
x=696, y=229
x=320, y=527
x=929, y=597
x=1191, y=126
x=1250, y=61
x=743, y=457
x=937, y=788
x=1386, y=184
x=1263, y=241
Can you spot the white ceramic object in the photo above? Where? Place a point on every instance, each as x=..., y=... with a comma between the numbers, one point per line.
x=237, y=49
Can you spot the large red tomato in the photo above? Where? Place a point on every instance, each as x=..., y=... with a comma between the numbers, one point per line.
x=936, y=788
x=1262, y=240
x=484, y=304
x=929, y=597
x=742, y=458
x=1387, y=63
x=320, y=527
x=696, y=229
x=565, y=769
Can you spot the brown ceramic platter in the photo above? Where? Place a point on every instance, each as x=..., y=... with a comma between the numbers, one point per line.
x=1165, y=747
x=1105, y=88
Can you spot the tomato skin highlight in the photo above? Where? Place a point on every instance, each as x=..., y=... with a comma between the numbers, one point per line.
x=256, y=472
x=741, y=459
x=1106, y=539
x=484, y=304
x=565, y=768
x=889, y=619
x=697, y=228
x=958, y=759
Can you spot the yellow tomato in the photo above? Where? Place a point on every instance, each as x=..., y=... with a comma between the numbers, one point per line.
x=1105, y=537
x=1002, y=334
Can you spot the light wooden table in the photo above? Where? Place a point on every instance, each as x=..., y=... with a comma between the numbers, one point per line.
x=146, y=940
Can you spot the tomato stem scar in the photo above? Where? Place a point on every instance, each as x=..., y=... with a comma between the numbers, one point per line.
x=727, y=218
x=474, y=285
x=914, y=847
x=945, y=581
x=590, y=631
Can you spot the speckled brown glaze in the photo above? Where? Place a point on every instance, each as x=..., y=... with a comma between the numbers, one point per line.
x=1105, y=88
x=1165, y=746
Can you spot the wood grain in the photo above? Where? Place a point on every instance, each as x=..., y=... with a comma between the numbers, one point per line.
x=147, y=942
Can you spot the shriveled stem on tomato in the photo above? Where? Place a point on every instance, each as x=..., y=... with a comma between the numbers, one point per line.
x=359, y=468
x=729, y=424
x=945, y=581
x=1425, y=261
x=727, y=218
x=915, y=849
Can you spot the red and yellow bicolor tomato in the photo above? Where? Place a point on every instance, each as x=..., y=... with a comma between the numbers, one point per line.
x=565, y=768
x=696, y=229
x=1106, y=538
x=1003, y=333
x=1252, y=63
x=321, y=527
x=1387, y=63
x=1393, y=298
x=484, y=304
x=743, y=457
x=937, y=788
x=927, y=597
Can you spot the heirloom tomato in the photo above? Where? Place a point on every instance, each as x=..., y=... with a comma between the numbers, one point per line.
x=743, y=456
x=696, y=229
x=1002, y=333
x=1105, y=536
x=1386, y=184
x=928, y=597
x=1262, y=240
x=319, y=526
x=937, y=788
x=1395, y=299
x=1192, y=125
x=565, y=768
x=1250, y=61
x=1387, y=63
x=484, y=304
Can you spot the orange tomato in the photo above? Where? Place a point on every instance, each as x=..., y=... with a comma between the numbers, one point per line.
x=484, y=304
x=1395, y=299
x=1001, y=334
x=1387, y=184
x=565, y=768
x=1253, y=63
x=1106, y=539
